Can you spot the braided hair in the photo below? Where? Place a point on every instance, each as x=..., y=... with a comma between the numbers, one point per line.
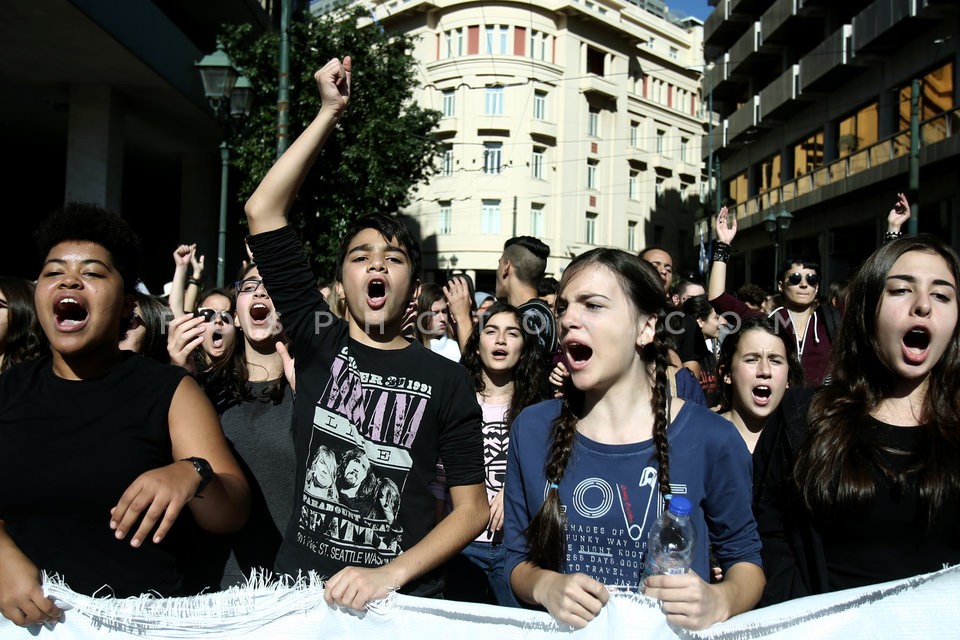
x=643, y=288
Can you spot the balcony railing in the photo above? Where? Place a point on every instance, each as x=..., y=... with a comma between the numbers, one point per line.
x=879, y=18
x=781, y=92
x=744, y=118
x=933, y=130
x=745, y=47
x=832, y=54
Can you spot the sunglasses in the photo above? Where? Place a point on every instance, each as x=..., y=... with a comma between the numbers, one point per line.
x=247, y=286
x=794, y=279
x=210, y=314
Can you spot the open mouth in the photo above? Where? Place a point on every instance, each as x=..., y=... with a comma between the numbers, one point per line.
x=761, y=394
x=917, y=339
x=376, y=293
x=259, y=312
x=577, y=353
x=916, y=343
x=70, y=313
x=500, y=353
x=217, y=339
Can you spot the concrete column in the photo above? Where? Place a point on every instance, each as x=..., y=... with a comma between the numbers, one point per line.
x=95, y=146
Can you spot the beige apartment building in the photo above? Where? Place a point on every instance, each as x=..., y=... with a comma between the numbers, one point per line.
x=576, y=121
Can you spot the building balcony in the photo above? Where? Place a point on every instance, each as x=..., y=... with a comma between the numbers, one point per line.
x=830, y=63
x=747, y=55
x=722, y=28
x=744, y=119
x=494, y=123
x=541, y=129
x=717, y=80
x=447, y=127
x=749, y=7
x=780, y=98
x=786, y=21
x=592, y=83
x=885, y=24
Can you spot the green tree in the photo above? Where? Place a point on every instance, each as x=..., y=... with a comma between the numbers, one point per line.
x=382, y=147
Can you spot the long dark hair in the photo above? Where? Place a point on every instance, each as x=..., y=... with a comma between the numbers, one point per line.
x=528, y=373
x=25, y=339
x=729, y=348
x=156, y=316
x=643, y=288
x=835, y=465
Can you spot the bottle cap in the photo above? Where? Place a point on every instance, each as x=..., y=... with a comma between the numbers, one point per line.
x=680, y=506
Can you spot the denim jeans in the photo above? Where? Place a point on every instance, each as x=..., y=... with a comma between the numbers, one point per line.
x=476, y=575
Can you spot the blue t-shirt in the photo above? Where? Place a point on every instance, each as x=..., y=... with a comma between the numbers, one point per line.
x=611, y=498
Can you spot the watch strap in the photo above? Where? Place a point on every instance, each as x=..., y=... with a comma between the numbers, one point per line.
x=203, y=468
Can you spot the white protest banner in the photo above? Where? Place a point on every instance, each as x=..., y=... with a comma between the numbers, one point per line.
x=925, y=607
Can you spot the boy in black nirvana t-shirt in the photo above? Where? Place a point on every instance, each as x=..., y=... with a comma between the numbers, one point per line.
x=374, y=412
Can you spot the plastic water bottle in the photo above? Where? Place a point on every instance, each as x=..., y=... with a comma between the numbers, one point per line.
x=670, y=543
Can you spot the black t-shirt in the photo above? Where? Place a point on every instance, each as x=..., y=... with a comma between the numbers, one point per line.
x=889, y=538
x=369, y=427
x=68, y=451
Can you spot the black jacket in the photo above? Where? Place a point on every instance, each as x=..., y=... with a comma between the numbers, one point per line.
x=793, y=557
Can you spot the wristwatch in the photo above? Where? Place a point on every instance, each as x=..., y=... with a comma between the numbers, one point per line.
x=205, y=471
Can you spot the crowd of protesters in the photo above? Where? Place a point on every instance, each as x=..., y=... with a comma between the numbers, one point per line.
x=511, y=447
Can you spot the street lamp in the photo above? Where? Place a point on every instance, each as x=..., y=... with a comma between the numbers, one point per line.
x=777, y=225
x=231, y=97
x=453, y=262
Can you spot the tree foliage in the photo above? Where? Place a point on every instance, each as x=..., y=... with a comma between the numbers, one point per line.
x=380, y=150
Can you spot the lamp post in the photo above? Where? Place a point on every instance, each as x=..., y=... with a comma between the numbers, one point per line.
x=777, y=225
x=231, y=97
x=453, y=263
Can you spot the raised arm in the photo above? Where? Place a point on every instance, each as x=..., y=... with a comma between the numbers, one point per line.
x=181, y=260
x=898, y=216
x=195, y=283
x=725, y=233
x=268, y=206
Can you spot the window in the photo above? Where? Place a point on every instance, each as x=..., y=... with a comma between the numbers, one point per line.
x=540, y=46
x=446, y=218
x=593, y=122
x=449, y=103
x=770, y=173
x=454, y=42
x=594, y=61
x=659, y=188
x=684, y=142
x=539, y=105
x=674, y=53
x=536, y=220
x=496, y=40
x=536, y=163
x=661, y=134
x=634, y=134
x=592, y=174
x=490, y=216
x=633, y=185
x=591, y=230
x=738, y=188
x=858, y=131
x=446, y=164
x=807, y=156
x=492, y=157
x=632, y=236
x=493, y=101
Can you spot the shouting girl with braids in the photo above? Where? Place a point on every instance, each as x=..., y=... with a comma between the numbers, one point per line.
x=587, y=475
